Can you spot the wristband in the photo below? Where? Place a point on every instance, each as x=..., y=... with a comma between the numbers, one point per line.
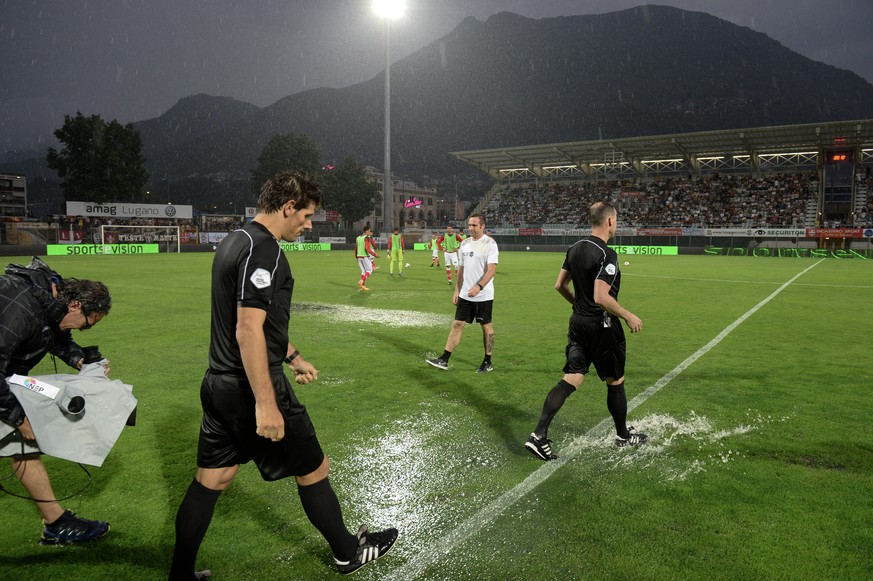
x=479, y=284
x=291, y=357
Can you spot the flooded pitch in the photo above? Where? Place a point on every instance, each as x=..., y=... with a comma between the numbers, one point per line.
x=417, y=474
x=387, y=317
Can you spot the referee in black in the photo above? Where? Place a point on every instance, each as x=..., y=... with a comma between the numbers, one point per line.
x=250, y=411
x=595, y=334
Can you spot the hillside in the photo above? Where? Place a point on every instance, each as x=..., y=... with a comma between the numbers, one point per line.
x=513, y=81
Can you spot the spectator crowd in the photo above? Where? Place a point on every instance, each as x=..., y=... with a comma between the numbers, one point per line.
x=717, y=201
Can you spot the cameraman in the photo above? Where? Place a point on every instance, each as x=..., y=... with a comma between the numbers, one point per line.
x=39, y=310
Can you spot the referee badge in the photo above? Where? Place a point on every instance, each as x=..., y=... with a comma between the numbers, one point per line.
x=610, y=269
x=260, y=278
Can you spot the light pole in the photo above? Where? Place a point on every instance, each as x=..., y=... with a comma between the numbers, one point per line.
x=389, y=10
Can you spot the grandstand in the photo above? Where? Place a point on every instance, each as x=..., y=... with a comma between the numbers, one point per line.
x=808, y=177
x=774, y=201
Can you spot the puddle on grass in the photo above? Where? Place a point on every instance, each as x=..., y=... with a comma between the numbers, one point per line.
x=386, y=317
x=665, y=432
x=416, y=474
x=410, y=473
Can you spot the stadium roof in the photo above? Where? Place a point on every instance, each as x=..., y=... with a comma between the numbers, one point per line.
x=689, y=149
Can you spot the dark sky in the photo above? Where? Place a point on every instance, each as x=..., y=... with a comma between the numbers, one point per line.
x=133, y=59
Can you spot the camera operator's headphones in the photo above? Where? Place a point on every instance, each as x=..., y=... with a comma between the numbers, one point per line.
x=98, y=307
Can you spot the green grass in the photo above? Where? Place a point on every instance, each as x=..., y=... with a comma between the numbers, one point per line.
x=761, y=463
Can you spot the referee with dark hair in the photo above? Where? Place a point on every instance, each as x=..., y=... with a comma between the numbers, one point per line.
x=595, y=334
x=250, y=411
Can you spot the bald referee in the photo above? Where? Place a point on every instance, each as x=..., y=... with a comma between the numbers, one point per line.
x=595, y=335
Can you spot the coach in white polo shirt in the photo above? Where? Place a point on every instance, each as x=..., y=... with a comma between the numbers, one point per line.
x=474, y=292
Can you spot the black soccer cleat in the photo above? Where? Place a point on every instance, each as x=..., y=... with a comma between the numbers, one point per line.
x=541, y=448
x=631, y=439
x=485, y=367
x=439, y=363
x=371, y=546
x=71, y=529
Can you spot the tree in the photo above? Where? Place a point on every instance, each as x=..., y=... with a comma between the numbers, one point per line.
x=286, y=151
x=99, y=161
x=348, y=191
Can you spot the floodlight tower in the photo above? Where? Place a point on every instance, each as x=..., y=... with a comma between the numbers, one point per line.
x=388, y=10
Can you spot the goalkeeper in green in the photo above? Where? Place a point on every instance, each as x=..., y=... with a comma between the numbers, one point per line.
x=395, y=251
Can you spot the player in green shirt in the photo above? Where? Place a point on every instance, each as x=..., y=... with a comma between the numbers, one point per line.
x=449, y=243
x=364, y=254
x=435, y=250
x=395, y=252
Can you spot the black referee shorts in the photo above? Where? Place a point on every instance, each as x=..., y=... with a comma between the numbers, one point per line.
x=228, y=430
x=588, y=341
x=469, y=311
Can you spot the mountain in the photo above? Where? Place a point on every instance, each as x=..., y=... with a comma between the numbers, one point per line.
x=191, y=118
x=513, y=81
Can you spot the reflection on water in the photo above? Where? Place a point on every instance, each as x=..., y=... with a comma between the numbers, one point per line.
x=386, y=317
x=410, y=474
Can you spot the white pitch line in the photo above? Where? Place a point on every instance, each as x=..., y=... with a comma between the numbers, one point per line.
x=767, y=282
x=436, y=550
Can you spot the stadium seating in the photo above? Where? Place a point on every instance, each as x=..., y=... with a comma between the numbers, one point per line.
x=717, y=201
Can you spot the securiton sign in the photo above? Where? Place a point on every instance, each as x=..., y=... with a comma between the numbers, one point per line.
x=761, y=252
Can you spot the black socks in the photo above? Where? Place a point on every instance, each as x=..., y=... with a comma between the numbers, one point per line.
x=616, y=402
x=553, y=403
x=323, y=510
x=192, y=521
x=195, y=513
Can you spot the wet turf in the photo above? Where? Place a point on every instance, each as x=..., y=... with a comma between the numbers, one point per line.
x=758, y=466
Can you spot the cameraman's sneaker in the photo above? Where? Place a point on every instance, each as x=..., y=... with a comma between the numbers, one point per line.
x=439, y=362
x=542, y=449
x=632, y=439
x=371, y=546
x=485, y=367
x=71, y=529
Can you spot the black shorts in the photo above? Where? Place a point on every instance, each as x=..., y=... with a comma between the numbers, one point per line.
x=588, y=341
x=228, y=430
x=468, y=311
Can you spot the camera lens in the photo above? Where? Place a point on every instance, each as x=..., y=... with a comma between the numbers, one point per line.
x=76, y=404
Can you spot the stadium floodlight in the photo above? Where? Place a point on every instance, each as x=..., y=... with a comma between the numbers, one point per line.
x=388, y=10
x=677, y=160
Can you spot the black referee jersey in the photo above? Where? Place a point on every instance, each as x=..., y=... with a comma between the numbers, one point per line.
x=249, y=270
x=587, y=260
